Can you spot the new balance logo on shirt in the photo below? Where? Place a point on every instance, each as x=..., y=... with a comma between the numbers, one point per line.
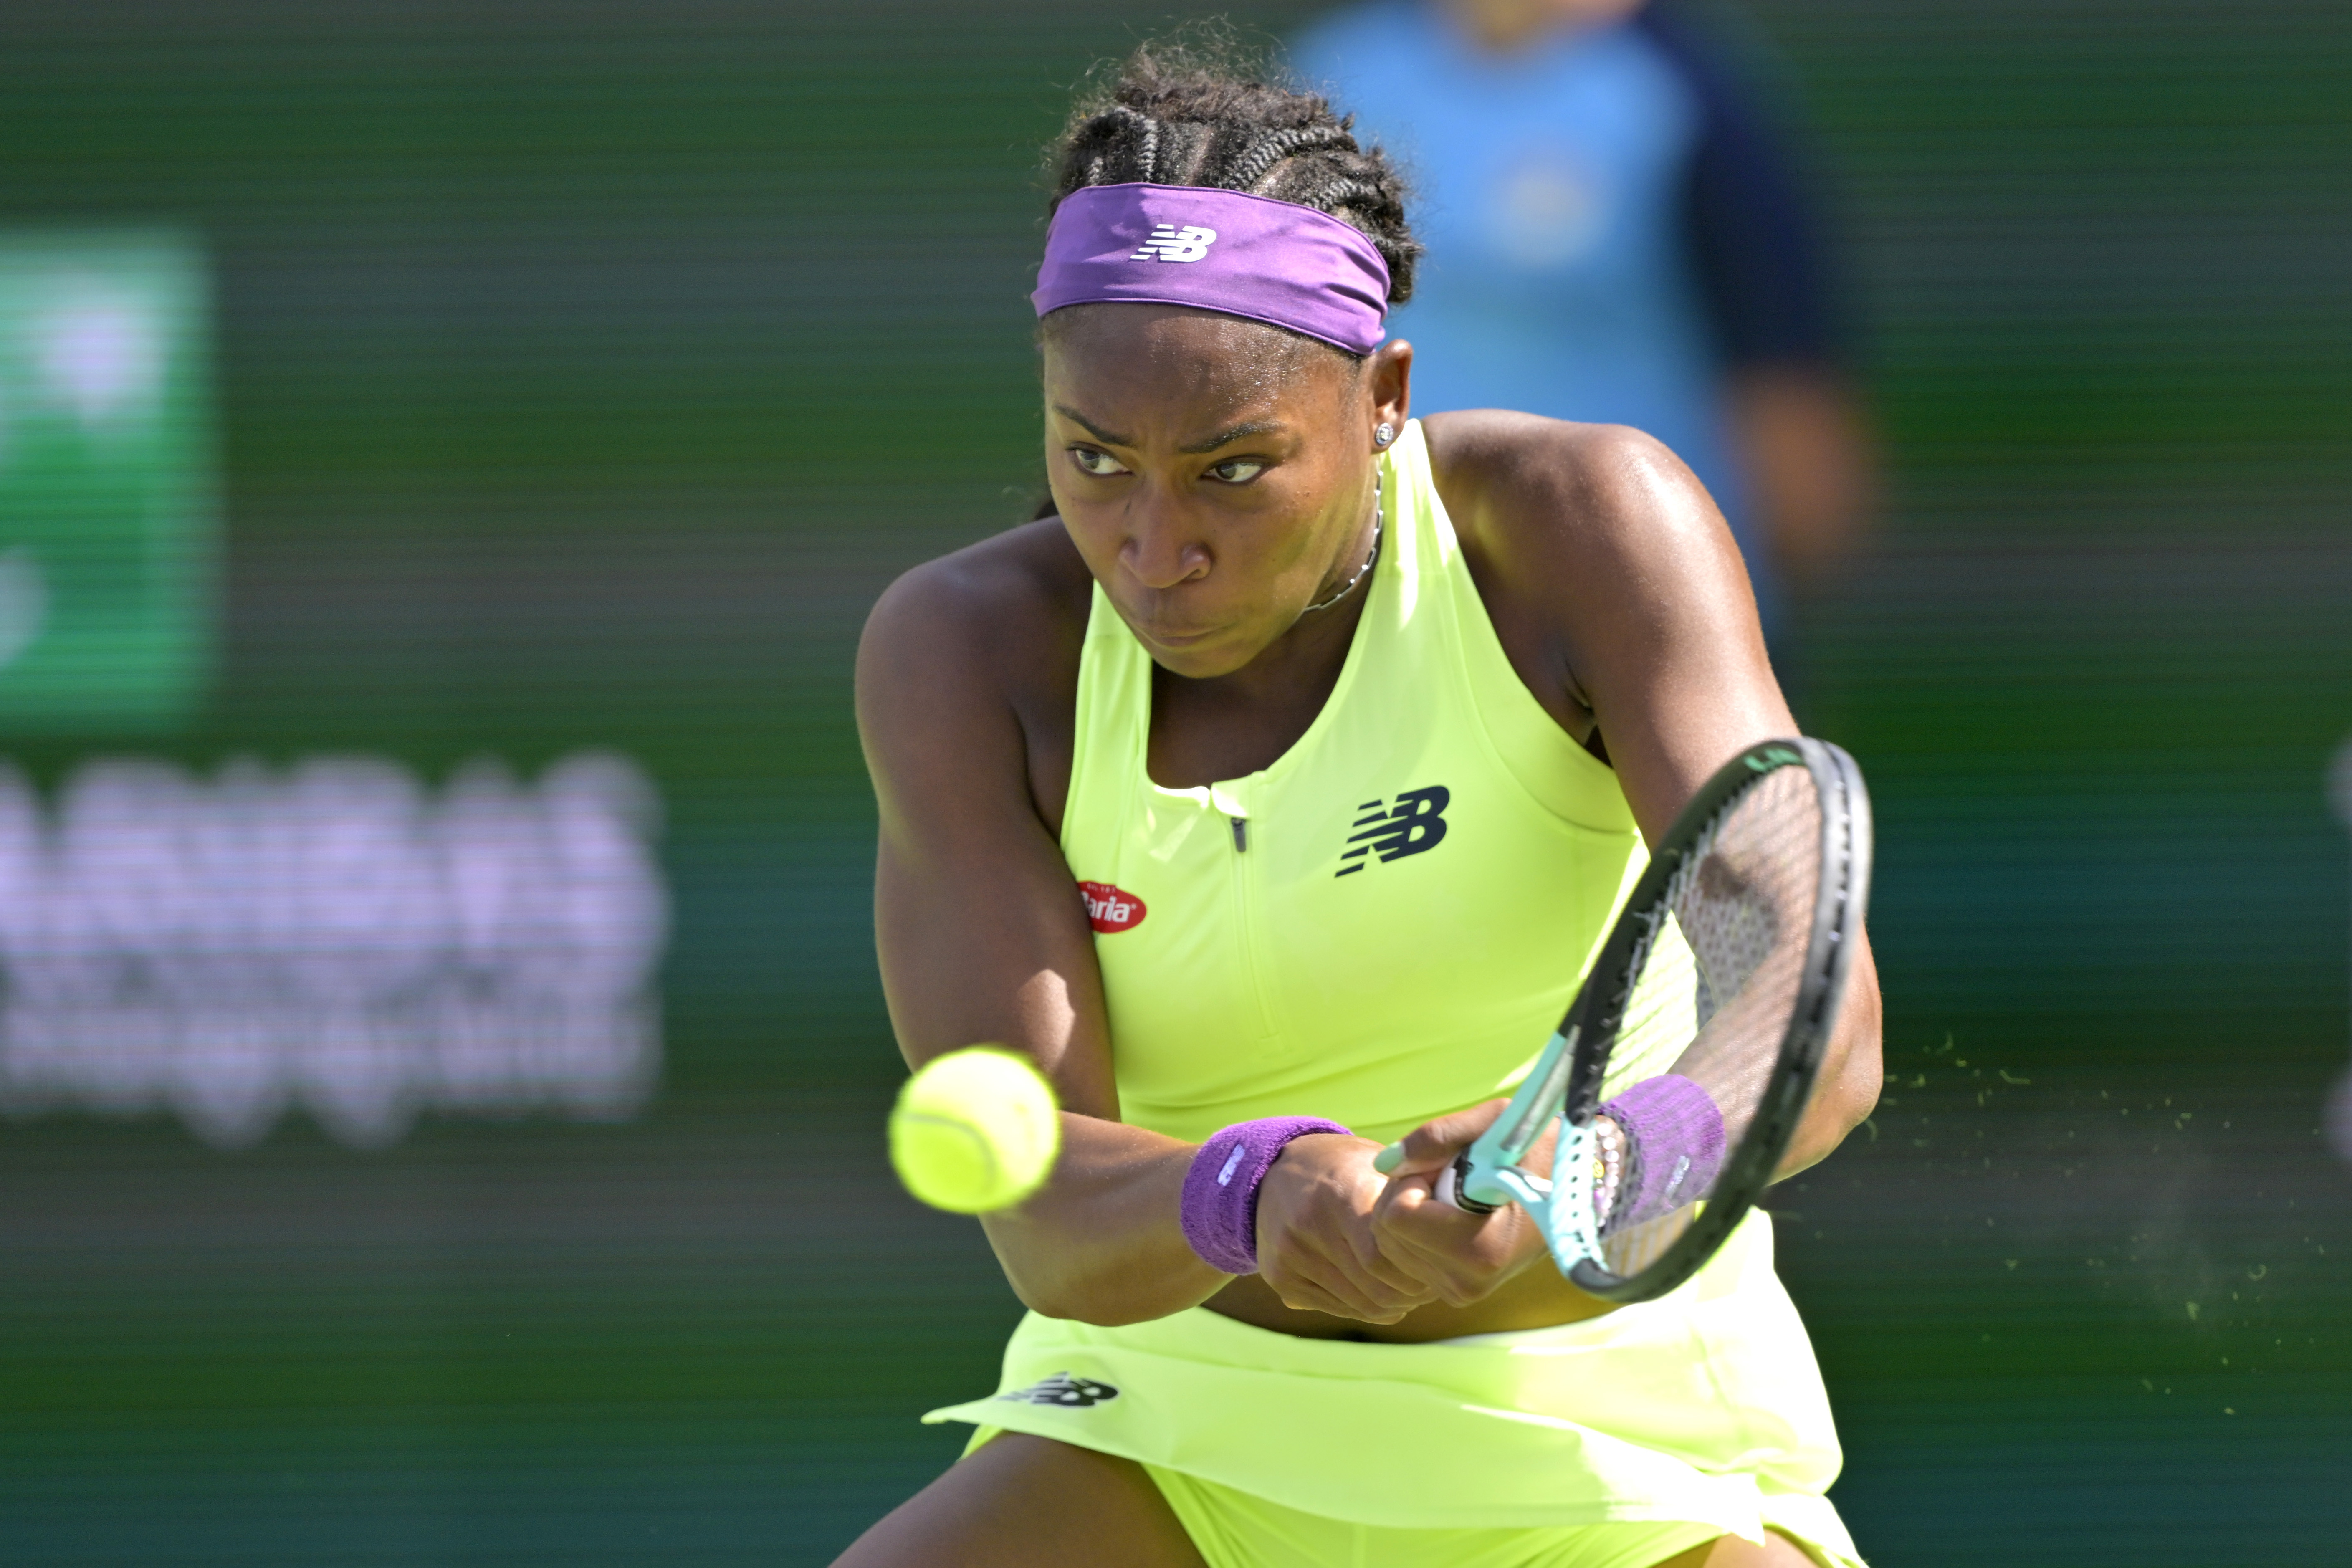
x=1169, y=243
x=1074, y=1393
x=1415, y=821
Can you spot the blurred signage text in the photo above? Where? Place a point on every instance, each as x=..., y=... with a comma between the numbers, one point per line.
x=332, y=934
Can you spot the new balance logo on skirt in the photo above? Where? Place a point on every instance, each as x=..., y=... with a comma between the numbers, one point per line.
x=1169, y=243
x=1064, y=1390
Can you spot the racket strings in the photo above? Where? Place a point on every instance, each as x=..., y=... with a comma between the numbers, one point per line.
x=1713, y=985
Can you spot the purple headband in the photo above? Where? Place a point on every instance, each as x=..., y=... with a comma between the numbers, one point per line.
x=1218, y=250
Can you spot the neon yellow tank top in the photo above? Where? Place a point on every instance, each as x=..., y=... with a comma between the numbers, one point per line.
x=1384, y=925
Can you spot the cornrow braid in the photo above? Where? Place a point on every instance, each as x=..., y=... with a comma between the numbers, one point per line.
x=1145, y=140
x=1257, y=161
x=1119, y=145
x=1197, y=113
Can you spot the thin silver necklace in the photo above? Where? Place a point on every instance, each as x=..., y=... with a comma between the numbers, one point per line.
x=1380, y=508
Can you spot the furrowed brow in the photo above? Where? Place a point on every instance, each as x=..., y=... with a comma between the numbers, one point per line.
x=1239, y=432
x=1097, y=431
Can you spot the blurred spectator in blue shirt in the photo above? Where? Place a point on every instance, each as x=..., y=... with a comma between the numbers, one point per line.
x=1617, y=233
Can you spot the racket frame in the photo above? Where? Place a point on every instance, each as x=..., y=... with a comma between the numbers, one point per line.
x=1563, y=1087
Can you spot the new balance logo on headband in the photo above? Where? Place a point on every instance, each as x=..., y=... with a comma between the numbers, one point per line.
x=1169, y=243
x=1414, y=824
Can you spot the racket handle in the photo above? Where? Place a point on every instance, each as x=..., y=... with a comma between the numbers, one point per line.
x=1448, y=1189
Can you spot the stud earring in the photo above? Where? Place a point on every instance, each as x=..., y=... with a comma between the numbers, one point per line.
x=1384, y=435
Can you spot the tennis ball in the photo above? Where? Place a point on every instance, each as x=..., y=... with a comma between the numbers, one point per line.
x=974, y=1130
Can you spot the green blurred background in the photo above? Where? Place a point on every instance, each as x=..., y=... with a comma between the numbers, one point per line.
x=584, y=371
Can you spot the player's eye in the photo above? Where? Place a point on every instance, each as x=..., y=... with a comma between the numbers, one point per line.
x=1092, y=460
x=1237, y=470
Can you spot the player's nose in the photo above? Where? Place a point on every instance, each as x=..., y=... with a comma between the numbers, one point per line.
x=1163, y=549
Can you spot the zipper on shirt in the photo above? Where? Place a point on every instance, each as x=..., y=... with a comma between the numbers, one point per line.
x=1247, y=914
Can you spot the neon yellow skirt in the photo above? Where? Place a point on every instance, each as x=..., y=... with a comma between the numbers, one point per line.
x=1703, y=1407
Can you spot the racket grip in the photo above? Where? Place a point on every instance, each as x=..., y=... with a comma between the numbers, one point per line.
x=1448, y=1189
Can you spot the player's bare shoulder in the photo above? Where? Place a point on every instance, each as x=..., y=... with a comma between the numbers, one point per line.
x=1520, y=482
x=997, y=607
x=1596, y=552
x=977, y=650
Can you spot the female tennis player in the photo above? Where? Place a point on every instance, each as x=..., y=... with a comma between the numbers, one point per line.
x=1272, y=795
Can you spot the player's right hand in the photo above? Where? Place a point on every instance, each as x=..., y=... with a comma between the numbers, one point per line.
x=1465, y=1256
x=1316, y=1242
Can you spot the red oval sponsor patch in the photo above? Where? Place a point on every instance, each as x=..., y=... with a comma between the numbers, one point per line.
x=1110, y=907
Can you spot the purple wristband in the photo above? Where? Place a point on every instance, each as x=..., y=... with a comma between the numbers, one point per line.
x=1220, y=1204
x=1674, y=1147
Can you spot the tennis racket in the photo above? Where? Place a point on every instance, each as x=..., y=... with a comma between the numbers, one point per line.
x=1705, y=1016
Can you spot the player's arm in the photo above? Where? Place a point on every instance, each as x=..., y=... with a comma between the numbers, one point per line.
x=982, y=937
x=1629, y=609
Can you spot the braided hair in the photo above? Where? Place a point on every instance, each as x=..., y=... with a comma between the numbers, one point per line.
x=1197, y=113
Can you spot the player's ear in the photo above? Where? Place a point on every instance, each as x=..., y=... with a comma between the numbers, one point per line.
x=1388, y=381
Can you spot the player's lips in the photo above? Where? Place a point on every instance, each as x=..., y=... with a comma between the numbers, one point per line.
x=1171, y=637
x=1158, y=620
